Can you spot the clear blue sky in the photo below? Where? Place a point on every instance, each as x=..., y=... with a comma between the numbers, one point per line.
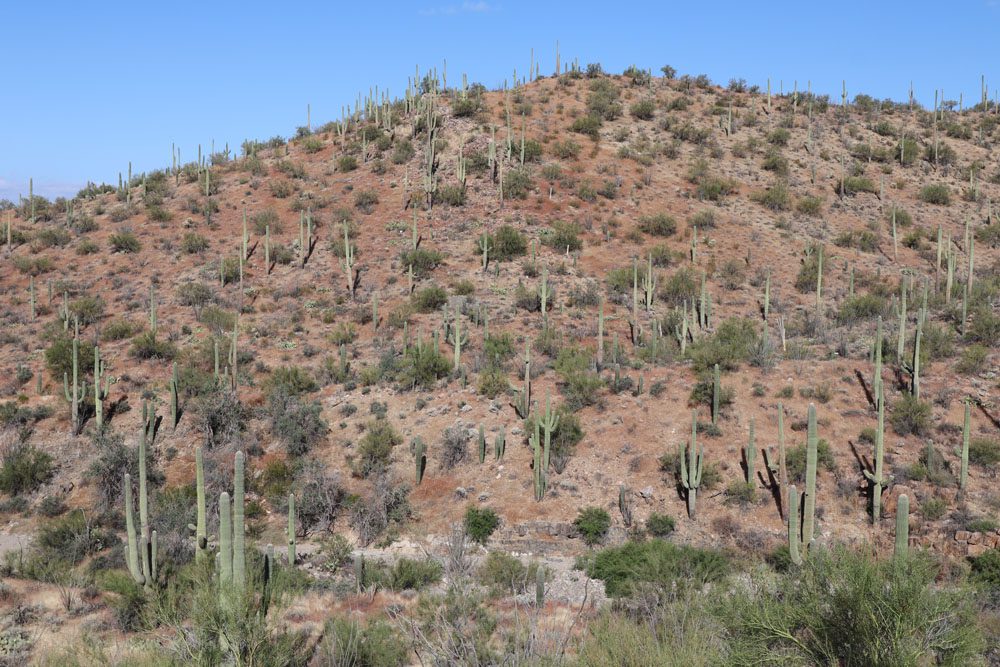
x=88, y=88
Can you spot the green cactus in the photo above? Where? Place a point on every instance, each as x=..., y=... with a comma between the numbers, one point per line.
x=902, y=526
x=964, y=474
x=239, y=525
x=359, y=571
x=877, y=379
x=544, y=290
x=809, y=509
x=484, y=245
x=750, y=455
x=500, y=444
x=875, y=476
x=225, y=555
x=267, y=250
x=419, y=459
x=624, y=505
x=767, y=295
x=458, y=338
x=522, y=401
x=201, y=529
x=549, y=422
x=350, y=273
x=901, y=342
x=691, y=467
x=31, y=296
x=482, y=445
x=75, y=394
x=716, y=391
x=291, y=529
x=794, y=546
x=540, y=587
x=100, y=394
x=778, y=469
x=152, y=310
x=649, y=284
x=175, y=408
x=535, y=440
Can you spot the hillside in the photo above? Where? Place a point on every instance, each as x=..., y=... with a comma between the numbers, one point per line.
x=676, y=210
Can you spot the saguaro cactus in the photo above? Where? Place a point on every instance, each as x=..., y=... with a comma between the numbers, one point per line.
x=100, y=395
x=500, y=444
x=540, y=587
x=809, y=510
x=964, y=474
x=902, y=526
x=174, y=398
x=875, y=476
x=691, y=467
x=419, y=459
x=239, y=525
x=794, y=546
x=750, y=454
x=716, y=390
x=201, y=528
x=75, y=394
x=522, y=404
x=291, y=529
x=779, y=468
x=482, y=444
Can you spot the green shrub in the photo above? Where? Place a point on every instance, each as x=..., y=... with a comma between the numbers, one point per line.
x=480, y=523
x=193, y=243
x=348, y=643
x=504, y=574
x=656, y=563
x=375, y=449
x=986, y=569
x=297, y=423
x=862, y=307
x=776, y=197
x=422, y=366
x=795, y=460
x=147, y=346
x=423, y=260
x=592, y=523
x=291, y=380
x=563, y=235
x=643, y=109
x=984, y=452
x=588, y=125
x=410, y=574
x=23, y=468
x=516, y=184
x=452, y=194
x=910, y=415
x=659, y=224
x=937, y=193
x=346, y=163
x=124, y=242
x=809, y=205
x=506, y=243
x=660, y=525
x=59, y=357
x=683, y=285
x=365, y=200
x=430, y=298
x=731, y=344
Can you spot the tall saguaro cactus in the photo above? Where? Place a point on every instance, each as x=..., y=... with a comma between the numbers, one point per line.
x=750, y=454
x=291, y=529
x=964, y=474
x=794, y=519
x=902, y=527
x=875, y=476
x=74, y=394
x=100, y=394
x=691, y=467
x=239, y=525
x=809, y=509
x=201, y=528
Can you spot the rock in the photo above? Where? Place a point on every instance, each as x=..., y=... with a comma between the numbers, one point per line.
x=466, y=407
x=977, y=549
x=962, y=535
x=646, y=493
x=461, y=492
x=483, y=497
x=567, y=485
x=976, y=538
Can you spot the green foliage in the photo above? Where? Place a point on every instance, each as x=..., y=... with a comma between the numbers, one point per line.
x=986, y=569
x=910, y=415
x=504, y=574
x=588, y=125
x=193, y=243
x=297, y=423
x=516, y=184
x=660, y=525
x=862, y=307
x=423, y=260
x=795, y=460
x=480, y=523
x=59, y=357
x=848, y=608
x=430, y=298
x=291, y=380
x=124, y=242
x=23, y=468
x=809, y=205
x=422, y=366
x=683, y=285
x=592, y=523
x=346, y=163
x=656, y=563
x=731, y=344
x=506, y=243
x=375, y=449
x=984, y=452
x=659, y=224
x=348, y=643
x=776, y=197
x=148, y=346
x=563, y=235
x=937, y=193
x=643, y=109
x=972, y=360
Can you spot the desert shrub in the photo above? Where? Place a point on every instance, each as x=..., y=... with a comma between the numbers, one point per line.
x=984, y=452
x=659, y=525
x=348, y=643
x=452, y=194
x=985, y=327
x=588, y=125
x=23, y=468
x=566, y=436
x=937, y=193
x=862, y=307
x=68, y=539
x=592, y=523
x=422, y=366
x=297, y=423
x=656, y=563
x=659, y=224
x=430, y=298
x=776, y=197
x=851, y=185
x=59, y=356
x=566, y=149
x=263, y=220
x=124, y=242
x=504, y=574
x=290, y=380
x=148, y=346
x=933, y=509
x=507, y=243
x=683, y=285
x=805, y=280
x=375, y=449
x=731, y=344
x=795, y=460
x=384, y=510
x=454, y=445
x=423, y=260
x=480, y=523
x=986, y=569
x=221, y=417
x=643, y=109
x=809, y=205
x=346, y=163
x=193, y=243
x=911, y=415
x=86, y=310
x=319, y=498
x=365, y=200
x=714, y=188
x=516, y=183
x=562, y=236
x=195, y=295
x=844, y=607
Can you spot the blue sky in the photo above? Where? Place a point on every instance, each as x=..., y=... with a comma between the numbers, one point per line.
x=87, y=89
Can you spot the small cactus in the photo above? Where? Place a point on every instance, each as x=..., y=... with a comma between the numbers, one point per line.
x=902, y=526
x=691, y=467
